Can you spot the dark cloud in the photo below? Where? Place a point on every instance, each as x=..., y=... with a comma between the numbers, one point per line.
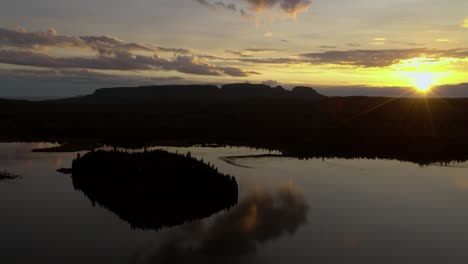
x=218, y=4
x=245, y=14
x=19, y=47
x=102, y=44
x=211, y=57
x=174, y=50
x=272, y=60
x=445, y=91
x=37, y=40
x=250, y=52
x=123, y=61
x=379, y=58
x=235, y=236
x=290, y=7
x=327, y=47
x=261, y=50
x=195, y=65
x=238, y=53
x=353, y=44
x=364, y=58
x=236, y=72
x=85, y=76
x=23, y=39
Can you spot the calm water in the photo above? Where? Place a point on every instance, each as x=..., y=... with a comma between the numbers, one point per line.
x=289, y=211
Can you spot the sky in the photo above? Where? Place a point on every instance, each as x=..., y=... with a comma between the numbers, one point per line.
x=64, y=48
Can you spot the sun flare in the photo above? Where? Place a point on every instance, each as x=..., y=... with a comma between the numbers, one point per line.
x=423, y=81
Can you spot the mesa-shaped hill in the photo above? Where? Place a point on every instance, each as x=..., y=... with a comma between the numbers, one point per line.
x=195, y=92
x=153, y=190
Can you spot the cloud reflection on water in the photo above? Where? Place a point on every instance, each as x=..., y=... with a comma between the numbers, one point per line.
x=235, y=236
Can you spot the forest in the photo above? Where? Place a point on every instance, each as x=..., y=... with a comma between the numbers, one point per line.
x=153, y=190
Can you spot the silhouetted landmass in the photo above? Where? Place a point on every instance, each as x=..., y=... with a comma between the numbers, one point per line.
x=7, y=176
x=70, y=147
x=152, y=190
x=420, y=130
x=193, y=92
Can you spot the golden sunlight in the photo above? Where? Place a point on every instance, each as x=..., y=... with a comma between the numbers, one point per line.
x=465, y=23
x=425, y=73
x=422, y=81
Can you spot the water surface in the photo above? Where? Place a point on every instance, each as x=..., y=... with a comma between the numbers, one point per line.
x=289, y=211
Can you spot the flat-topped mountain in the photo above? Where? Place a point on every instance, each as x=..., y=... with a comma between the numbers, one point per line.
x=196, y=92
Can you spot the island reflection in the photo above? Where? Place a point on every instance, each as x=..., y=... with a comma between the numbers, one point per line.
x=236, y=236
x=153, y=190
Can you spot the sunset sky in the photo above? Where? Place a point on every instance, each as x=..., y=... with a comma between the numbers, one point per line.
x=64, y=47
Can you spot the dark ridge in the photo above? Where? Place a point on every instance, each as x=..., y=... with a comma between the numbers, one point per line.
x=191, y=93
x=151, y=93
x=422, y=155
x=153, y=190
x=421, y=130
x=253, y=90
x=303, y=91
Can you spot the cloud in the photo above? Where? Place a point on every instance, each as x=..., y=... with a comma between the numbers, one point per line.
x=123, y=61
x=260, y=50
x=236, y=235
x=363, y=58
x=353, y=44
x=379, y=58
x=174, y=50
x=85, y=76
x=19, y=47
x=22, y=39
x=271, y=60
x=50, y=38
x=293, y=7
x=272, y=83
x=250, y=52
x=218, y=5
x=289, y=7
x=327, y=47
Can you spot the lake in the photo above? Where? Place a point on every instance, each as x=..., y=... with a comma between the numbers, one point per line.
x=288, y=211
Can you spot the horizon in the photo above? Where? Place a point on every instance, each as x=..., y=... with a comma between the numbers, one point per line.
x=63, y=48
x=446, y=91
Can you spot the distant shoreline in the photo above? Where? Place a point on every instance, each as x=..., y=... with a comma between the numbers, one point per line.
x=300, y=124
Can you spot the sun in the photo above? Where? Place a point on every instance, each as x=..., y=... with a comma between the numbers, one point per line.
x=423, y=81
